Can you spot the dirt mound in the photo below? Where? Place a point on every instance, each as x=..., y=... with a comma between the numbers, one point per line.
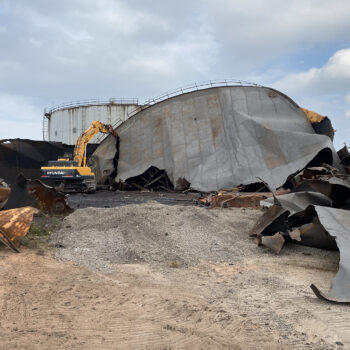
x=155, y=233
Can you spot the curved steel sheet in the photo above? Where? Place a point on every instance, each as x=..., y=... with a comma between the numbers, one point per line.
x=220, y=137
x=337, y=223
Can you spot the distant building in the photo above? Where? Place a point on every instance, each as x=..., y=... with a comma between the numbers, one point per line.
x=65, y=123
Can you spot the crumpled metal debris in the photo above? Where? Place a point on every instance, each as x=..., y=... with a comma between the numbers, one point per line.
x=14, y=224
x=337, y=189
x=295, y=219
x=269, y=225
x=312, y=215
x=34, y=193
x=337, y=223
x=298, y=201
x=104, y=161
x=236, y=199
x=306, y=229
x=321, y=124
x=344, y=156
x=153, y=179
x=49, y=198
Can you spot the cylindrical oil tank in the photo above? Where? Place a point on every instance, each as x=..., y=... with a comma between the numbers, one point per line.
x=66, y=122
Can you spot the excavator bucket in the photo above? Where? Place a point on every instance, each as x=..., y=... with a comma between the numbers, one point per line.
x=14, y=224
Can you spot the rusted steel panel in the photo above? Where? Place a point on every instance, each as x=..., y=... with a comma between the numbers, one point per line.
x=274, y=242
x=48, y=198
x=14, y=224
x=343, y=152
x=313, y=235
x=220, y=138
x=273, y=217
x=239, y=199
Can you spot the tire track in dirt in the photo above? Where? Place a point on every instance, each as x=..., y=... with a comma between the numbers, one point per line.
x=137, y=307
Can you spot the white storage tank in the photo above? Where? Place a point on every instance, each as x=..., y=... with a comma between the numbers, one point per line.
x=66, y=122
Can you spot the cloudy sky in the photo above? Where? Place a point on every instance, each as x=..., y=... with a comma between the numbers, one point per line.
x=59, y=51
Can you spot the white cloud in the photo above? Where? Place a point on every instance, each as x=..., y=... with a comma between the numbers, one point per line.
x=333, y=77
x=56, y=51
x=253, y=31
x=347, y=114
x=19, y=118
x=347, y=98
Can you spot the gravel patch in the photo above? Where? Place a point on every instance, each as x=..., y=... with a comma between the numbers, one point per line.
x=155, y=233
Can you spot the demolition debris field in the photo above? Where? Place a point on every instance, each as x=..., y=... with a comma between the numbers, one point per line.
x=155, y=276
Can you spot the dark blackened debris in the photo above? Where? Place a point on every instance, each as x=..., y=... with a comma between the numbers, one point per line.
x=153, y=179
x=28, y=156
x=20, y=196
x=305, y=228
x=36, y=194
x=321, y=124
x=343, y=152
x=272, y=221
x=324, y=127
x=344, y=156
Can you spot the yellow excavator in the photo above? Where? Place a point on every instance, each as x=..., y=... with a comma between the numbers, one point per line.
x=74, y=175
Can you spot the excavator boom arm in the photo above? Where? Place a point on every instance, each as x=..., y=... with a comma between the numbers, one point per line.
x=86, y=136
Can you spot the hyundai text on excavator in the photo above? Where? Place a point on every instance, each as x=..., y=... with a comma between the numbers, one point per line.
x=74, y=175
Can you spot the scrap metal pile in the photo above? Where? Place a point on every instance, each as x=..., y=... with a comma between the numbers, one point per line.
x=311, y=209
x=19, y=203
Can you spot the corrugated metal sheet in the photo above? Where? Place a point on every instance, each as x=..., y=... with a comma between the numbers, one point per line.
x=220, y=137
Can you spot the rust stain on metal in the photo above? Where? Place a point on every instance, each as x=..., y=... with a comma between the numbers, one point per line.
x=274, y=242
x=271, y=214
x=343, y=152
x=239, y=199
x=313, y=117
x=36, y=194
x=4, y=193
x=14, y=224
x=295, y=234
x=48, y=198
x=214, y=128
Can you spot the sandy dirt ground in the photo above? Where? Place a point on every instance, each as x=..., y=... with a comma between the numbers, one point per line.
x=237, y=297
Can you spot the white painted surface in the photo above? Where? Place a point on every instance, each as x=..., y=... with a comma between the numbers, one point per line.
x=65, y=125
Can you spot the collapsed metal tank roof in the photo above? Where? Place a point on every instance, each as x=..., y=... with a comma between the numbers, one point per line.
x=220, y=137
